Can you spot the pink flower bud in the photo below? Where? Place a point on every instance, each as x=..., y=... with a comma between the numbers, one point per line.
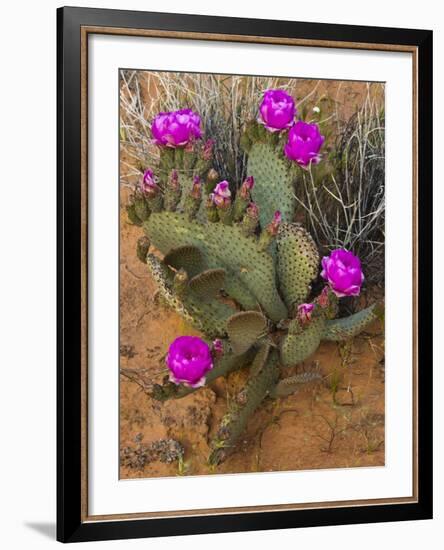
x=174, y=179
x=304, y=313
x=223, y=189
x=196, y=191
x=148, y=185
x=221, y=195
x=212, y=176
x=246, y=187
x=249, y=182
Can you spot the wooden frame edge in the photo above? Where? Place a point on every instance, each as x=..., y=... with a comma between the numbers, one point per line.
x=208, y=36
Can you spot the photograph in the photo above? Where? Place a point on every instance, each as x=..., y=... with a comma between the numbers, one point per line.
x=252, y=274
x=219, y=293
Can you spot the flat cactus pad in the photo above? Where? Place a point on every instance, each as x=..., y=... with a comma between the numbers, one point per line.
x=273, y=183
x=245, y=328
x=298, y=347
x=208, y=316
x=348, y=327
x=186, y=257
x=297, y=263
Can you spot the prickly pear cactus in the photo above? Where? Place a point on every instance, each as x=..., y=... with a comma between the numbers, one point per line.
x=229, y=259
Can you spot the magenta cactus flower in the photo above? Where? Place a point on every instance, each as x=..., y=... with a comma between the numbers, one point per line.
x=189, y=359
x=304, y=143
x=246, y=187
x=304, y=312
x=148, y=184
x=277, y=111
x=342, y=270
x=176, y=129
x=221, y=196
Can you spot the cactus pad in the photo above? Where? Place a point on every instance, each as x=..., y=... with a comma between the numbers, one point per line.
x=348, y=327
x=209, y=317
x=186, y=257
x=273, y=183
x=297, y=263
x=297, y=347
x=207, y=285
x=245, y=328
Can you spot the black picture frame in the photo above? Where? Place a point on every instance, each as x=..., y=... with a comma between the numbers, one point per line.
x=71, y=525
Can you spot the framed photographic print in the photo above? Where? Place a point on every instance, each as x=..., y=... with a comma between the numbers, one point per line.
x=244, y=255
